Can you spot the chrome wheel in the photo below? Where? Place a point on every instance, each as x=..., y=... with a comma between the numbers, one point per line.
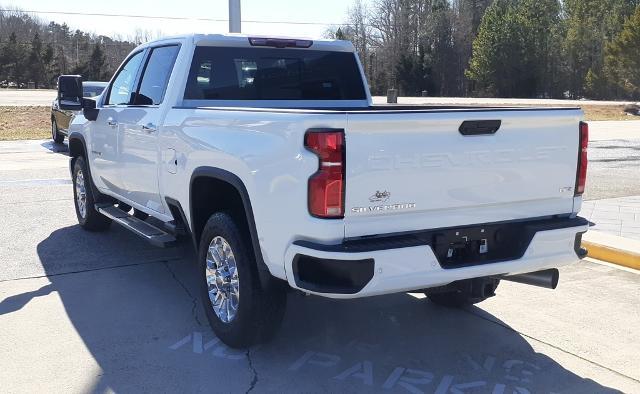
x=222, y=279
x=81, y=194
x=54, y=130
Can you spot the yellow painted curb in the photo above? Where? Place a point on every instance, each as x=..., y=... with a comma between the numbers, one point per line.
x=613, y=255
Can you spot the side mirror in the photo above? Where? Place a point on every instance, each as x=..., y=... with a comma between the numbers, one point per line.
x=89, y=109
x=70, y=92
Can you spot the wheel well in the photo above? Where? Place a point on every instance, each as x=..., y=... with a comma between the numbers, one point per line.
x=211, y=195
x=75, y=148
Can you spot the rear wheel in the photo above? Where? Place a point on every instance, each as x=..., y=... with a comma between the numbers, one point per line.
x=463, y=293
x=55, y=134
x=241, y=311
x=84, y=199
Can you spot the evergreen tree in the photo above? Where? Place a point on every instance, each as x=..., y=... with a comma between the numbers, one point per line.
x=49, y=66
x=516, y=53
x=12, y=56
x=95, y=65
x=496, y=63
x=35, y=67
x=622, y=59
x=590, y=25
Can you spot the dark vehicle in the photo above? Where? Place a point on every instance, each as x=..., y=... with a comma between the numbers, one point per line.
x=60, y=118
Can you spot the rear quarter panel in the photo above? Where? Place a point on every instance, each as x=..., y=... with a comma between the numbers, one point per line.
x=266, y=151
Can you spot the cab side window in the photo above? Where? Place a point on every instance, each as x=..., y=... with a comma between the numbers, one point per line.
x=156, y=75
x=123, y=88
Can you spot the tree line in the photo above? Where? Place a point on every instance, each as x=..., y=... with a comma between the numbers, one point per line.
x=498, y=48
x=494, y=48
x=33, y=53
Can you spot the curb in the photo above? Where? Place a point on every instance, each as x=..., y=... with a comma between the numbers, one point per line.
x=612, y=249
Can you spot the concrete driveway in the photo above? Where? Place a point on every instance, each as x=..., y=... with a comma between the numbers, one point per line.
x=86, y=312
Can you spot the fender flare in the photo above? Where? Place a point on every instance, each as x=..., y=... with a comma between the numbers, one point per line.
x=73, y=137
x=236, y=183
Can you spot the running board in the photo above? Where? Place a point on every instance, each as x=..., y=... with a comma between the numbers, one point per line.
x=151, y=233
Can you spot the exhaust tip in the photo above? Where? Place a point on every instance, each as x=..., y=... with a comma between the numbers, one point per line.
x=545, y=278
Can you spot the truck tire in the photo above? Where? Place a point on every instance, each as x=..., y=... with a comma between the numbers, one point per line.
x=55, y=134
x=471, y=292
x=242, y=312
x=84, y=200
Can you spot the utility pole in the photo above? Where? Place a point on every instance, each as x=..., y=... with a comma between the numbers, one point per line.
x=234, y=16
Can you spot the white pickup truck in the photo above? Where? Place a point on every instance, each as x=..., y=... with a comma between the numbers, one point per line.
x=268, y=154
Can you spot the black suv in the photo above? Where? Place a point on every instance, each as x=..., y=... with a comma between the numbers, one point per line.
x=60, y=118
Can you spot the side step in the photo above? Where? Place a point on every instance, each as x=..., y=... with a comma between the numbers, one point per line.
x=151, y=233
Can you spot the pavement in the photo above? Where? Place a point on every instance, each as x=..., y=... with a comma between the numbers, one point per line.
x=614, y=235
x=614, y=149
x=26, y=97
x=617, y=216
x=105, y=312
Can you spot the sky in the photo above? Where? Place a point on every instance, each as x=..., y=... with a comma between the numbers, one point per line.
x=322, y=12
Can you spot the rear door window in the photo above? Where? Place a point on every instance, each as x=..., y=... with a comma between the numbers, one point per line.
x=219, y=73
x=156, y=75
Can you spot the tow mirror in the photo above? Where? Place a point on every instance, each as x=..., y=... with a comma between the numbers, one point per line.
x=70, y=92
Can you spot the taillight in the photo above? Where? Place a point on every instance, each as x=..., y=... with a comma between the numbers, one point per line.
x=326, y=186
x=581, y=176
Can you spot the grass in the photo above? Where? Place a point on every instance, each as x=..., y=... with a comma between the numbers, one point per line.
x=25, y=123
x=606, y=112
x=31, y=123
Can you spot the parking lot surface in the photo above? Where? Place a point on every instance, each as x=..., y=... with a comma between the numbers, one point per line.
x=86, y=312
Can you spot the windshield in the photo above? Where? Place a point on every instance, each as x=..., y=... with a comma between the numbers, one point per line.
x=219, y=73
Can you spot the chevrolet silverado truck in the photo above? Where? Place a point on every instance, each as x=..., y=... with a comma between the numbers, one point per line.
x=268, y=155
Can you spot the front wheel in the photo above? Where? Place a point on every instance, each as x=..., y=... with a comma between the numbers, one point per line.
x=55, y=133
x=241, y=310
x=84, y=199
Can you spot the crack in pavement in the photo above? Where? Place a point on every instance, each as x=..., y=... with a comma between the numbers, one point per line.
x=91, y=270
x=504, y=325
x=254, y=380
x=194, y=300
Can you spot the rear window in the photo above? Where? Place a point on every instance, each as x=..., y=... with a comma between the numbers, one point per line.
x=273, y=74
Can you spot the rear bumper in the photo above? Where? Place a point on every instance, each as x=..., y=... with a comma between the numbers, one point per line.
x=405, y=262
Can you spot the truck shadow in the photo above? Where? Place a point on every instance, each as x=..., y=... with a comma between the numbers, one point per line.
x=56, y=148
x=142, y=323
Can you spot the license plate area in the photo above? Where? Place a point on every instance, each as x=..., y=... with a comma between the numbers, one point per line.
x=483, y=244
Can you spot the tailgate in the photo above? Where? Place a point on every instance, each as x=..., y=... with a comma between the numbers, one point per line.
x=410, y=171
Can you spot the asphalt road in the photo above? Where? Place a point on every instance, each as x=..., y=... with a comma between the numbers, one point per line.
x=491, y=101
x=24, y=97
x=614, y=160
x=96, y=312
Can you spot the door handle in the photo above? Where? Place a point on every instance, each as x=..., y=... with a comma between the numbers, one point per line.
x=112, y=122
x=149, y=128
